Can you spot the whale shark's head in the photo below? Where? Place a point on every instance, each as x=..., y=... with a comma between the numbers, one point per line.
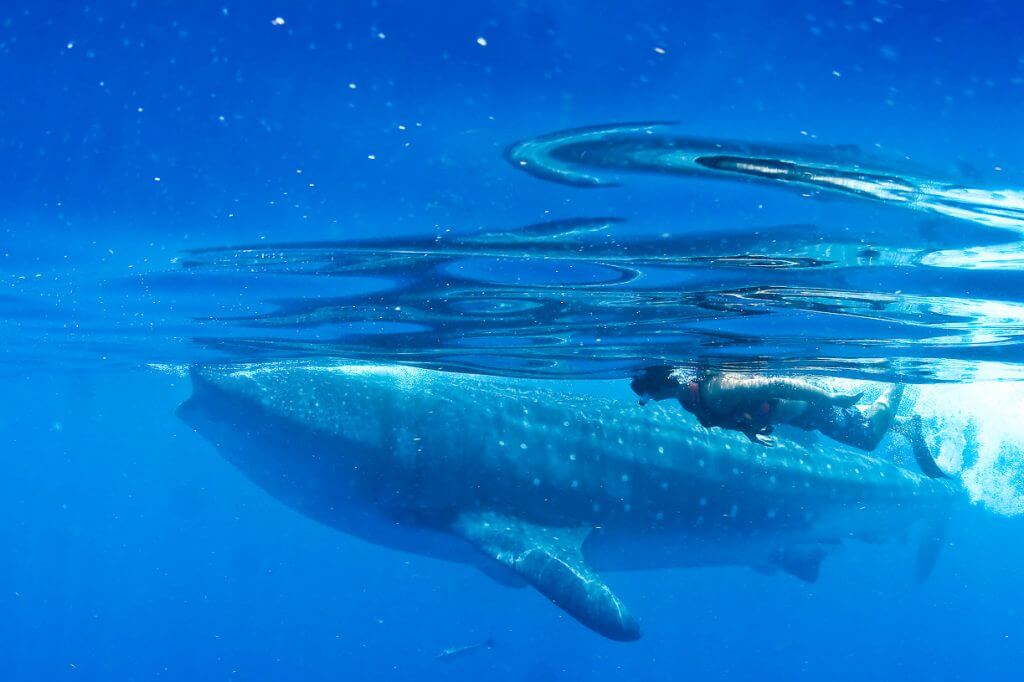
x=304, y=439
x=345, y=402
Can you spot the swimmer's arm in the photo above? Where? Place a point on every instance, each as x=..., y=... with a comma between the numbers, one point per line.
x=745, y=389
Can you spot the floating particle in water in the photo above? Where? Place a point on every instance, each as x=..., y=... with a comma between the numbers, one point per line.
x=481, y=41
x=352, y=86
x=660, y=50
x=277, y=21
x=371, y=157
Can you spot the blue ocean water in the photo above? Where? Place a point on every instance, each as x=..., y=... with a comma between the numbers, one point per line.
x=836, y=192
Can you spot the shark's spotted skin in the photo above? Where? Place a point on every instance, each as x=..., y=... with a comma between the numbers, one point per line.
x=551, y=486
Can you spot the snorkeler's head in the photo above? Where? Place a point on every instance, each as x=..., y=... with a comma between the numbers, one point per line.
x=655, y=383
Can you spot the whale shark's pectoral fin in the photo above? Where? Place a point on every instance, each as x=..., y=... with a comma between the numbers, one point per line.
x=550, y=559
x=500, y=573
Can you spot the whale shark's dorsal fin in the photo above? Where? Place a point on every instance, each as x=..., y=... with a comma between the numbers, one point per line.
x=550, y=559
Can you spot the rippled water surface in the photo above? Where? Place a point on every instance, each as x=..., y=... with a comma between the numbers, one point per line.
x=931, y=292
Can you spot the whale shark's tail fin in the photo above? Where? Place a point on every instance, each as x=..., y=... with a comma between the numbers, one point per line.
x=929, y=546
x=934, y=534
x=550, y=559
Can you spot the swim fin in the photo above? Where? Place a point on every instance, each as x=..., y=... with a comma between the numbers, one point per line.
x=923, y=456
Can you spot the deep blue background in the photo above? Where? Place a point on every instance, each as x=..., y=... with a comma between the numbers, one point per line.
x=129, y=550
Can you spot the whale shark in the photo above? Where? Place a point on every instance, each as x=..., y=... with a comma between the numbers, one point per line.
x=536, y=485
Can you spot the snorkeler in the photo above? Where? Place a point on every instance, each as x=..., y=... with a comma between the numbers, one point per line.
x=753, y=405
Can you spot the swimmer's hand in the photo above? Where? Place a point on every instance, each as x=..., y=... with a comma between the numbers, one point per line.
x=760, y=439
